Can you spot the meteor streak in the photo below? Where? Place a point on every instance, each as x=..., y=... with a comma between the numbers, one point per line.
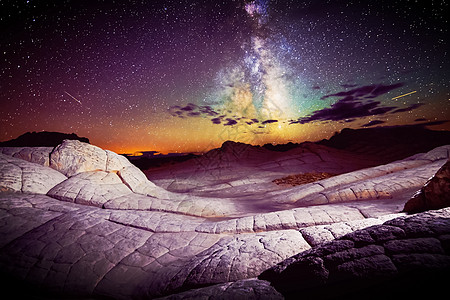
x=73, y=97
x=404, y=95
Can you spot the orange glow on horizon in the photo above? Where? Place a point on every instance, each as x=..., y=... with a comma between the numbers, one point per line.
x=199, y=136
x=166, y=134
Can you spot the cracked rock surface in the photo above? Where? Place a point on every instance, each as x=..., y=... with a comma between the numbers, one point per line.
x=17, y=175
x=81, y=222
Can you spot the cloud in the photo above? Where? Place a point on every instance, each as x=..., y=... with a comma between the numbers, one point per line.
x=373, y=123
x=227, y=118
x=230, y=122
x=216, y=120
x=382, y=110
x=269, y=121
x=249, y=121
x=192, y=110
x=347, y=86
x=356, y=103
x=411, y=107
x=432, y=123
x=345, y=109
x=207, y=110
x=367, y=91
x=189, y=107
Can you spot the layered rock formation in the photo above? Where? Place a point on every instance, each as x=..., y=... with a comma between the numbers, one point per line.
x=79, y=221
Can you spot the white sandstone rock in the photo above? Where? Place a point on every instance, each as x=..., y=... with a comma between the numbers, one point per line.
x=90, y=188
x=115, y=162
x=73, y=157
x=22, y=176
x=39, y=155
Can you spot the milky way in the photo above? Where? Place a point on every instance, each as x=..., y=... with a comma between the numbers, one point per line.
x=188, y=75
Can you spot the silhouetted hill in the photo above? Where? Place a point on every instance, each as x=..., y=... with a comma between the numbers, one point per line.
x=42, y=139
x=381, y=144
x=390, y=143
x=387, y=143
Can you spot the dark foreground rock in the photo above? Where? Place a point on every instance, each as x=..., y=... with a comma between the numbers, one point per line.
x=434, y=194
x=401, y=257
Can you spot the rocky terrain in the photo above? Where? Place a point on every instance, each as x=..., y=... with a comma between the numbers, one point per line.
x=78, y=221
x=381, y=145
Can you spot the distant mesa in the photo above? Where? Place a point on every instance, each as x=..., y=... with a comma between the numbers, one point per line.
x=388, y=143
x=42, y=139
x=236, y=149
x=231, y=145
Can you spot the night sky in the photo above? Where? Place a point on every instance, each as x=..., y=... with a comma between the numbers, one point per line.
x=181, y=76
